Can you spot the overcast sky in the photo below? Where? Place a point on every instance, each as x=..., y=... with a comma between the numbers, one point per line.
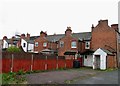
x=54, y=16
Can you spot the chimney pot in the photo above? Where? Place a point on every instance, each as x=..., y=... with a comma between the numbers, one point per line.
x=43, y=34
x=115, y=26
x=68, y=31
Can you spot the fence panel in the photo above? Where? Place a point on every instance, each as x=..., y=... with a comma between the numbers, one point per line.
x=6, y=65
x=21, y=64
x=61, y=63
x=38, y=64
x=69, y=63
x=51, y=64
x=29, y=61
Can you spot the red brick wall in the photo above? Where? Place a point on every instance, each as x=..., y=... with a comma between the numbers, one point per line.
x=40, y=41
x=110, y=61
x=67, y=45
x=103, y=35
x=52, y=45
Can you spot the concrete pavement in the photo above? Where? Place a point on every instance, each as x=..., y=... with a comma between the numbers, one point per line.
x=74, y=76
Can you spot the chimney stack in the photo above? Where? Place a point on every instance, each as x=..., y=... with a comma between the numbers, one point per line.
x=103, y=22
x=22, y=36
x=43, y=34
x=92, y=27
x=5, y=37
x=68, y=31
x=115, y=26
x=28, y=36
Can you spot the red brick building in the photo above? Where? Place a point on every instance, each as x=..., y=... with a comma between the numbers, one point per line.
x=101, y=42
x=63, y=43
x=105, y=36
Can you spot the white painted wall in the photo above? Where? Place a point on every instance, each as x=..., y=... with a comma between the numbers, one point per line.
x=88, y=61
x=5, y=44
x=22, y=44
x=30, y=47
x=103, y=56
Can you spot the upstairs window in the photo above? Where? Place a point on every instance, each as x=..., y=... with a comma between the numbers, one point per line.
x=36, y=44
x=61, y=43
x=73, y=44
x=87, y=45
x=45, y=44
x=24, y=44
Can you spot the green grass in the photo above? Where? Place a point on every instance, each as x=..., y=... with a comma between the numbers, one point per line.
x=13, y=78
x=0, y=79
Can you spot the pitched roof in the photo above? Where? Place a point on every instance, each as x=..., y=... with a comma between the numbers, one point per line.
x=107, y=51
x=57, y=37
x=15, y=40
x=80, y=36
x=54, y=38
x=29, y=41
x=83, y=35
x=34, y=37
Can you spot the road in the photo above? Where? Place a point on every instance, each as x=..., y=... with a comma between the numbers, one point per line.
x=110, y=77
x=74, y=76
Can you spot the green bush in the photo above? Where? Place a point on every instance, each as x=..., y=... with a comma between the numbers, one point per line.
x=13, y=49
x=13, y=78
x=21, y=72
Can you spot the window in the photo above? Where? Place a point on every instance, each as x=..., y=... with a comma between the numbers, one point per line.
x=45, y=44
x=73, y=44
x=61, y=43
x=36, y=44
x=85, y=56
x=87, y=45
x=24, y=44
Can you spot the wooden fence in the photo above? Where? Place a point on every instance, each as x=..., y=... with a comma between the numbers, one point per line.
x=13, y=62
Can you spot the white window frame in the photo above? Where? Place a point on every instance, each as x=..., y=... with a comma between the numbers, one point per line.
x=61, y=43
x=73, y=44
x=45, y=44
x=36, y=44
x=87, y=45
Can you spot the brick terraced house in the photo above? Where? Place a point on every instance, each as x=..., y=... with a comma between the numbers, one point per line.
x=99, y=49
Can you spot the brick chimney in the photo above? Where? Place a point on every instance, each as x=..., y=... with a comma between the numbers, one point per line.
x=22, y=36
x=5, y=37
x=103, y=22
x=68, y=31
x=28, y=36
x=92, y=27
x=43, y=34
x=12, y=39
x=115, y=26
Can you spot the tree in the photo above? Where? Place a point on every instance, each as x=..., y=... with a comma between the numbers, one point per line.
x=13, y=49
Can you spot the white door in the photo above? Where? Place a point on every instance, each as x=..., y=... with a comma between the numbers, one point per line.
x=88, y=60
x=96, y=61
